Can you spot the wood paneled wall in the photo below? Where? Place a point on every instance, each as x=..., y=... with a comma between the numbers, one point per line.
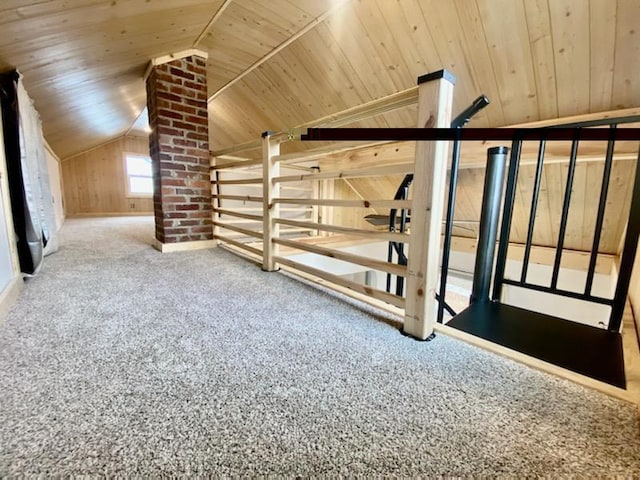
x=94, y=182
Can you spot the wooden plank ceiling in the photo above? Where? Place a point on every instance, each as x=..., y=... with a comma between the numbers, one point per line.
x=275, y=64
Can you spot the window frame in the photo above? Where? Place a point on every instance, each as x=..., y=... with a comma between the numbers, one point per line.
x=127, y=185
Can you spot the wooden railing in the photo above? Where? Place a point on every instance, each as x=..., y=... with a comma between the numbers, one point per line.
x=289, y=196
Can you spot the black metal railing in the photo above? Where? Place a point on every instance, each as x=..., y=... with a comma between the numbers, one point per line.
x=617, y=303
x=402, y=193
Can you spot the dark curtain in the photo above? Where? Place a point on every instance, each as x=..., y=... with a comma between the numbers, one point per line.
x=29, y=238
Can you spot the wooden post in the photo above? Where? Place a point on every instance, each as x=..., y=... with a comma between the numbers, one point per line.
x=435, y=99
x=270, y=210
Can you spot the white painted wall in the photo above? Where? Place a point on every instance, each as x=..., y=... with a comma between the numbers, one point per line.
x=55, y=180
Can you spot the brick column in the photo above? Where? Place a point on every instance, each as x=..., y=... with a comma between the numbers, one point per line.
x=179, y=147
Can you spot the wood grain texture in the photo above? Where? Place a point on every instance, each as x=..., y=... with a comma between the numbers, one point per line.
x=94, y=182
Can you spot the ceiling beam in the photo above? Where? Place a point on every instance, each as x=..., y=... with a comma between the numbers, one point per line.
x=213, y=20
x=310, y=26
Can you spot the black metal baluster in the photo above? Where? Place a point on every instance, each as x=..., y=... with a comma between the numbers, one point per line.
x=628, y=256
x=604, y=190
x=532, y=213
x=565, y=212
x=507, y=215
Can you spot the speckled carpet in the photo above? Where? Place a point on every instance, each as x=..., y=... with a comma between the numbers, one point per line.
x=119, y=360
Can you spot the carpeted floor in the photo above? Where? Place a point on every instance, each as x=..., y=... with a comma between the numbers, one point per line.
x=118, y=359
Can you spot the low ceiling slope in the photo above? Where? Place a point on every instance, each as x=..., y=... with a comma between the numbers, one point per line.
x=83, y=60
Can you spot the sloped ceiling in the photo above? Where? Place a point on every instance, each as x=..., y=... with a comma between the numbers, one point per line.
x=83, y=61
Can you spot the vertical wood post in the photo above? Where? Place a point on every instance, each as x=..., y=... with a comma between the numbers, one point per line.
x=270, y=211
x=435, y=99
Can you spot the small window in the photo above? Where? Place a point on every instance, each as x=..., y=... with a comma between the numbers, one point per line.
x=139, y=179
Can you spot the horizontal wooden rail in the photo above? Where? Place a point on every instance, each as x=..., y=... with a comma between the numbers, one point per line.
x=293, y=230
x=240, y=198
x=244, y=231
x=387, y=267
x=328, y=150
x=372, y=234
x=372, y=292
x=240, y=181
x=398, y=204
x=230, y=241
x=221, y=211
x=398, y=169
x=297, y=189
x=241, y=147
x=236, y=164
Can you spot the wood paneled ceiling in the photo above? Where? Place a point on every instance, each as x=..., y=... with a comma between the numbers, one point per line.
x=83, y=60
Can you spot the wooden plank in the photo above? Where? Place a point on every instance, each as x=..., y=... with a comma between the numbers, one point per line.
x=372, y=292
x=235, y=164
x=346, y=203
x=230, y=241
x=244, y=231
x=240, y=181
x=354, y=173
x=434, y=110
x=626, y=90
x=544, y=69
x=570, y=26
x=371, y=234
x=602, y=18
x=270, y=229
x=337, y=5
x=511, y=58
x=255, y=218
x=327, y=150
x=242, y=198
x=387, y=267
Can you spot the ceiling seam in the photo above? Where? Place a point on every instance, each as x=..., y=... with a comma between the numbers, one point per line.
x=198, y=39
x=213, y=20
x=310, y=26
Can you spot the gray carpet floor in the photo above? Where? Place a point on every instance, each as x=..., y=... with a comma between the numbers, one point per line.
x=119, y=360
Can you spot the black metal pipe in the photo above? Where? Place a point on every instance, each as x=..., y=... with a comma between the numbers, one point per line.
x=604, y=190
x=532, y=213
x=565, y=213
x=491, y=200
x=448, y=228
x=465, y=116
x=628, y=256
x=507, y=215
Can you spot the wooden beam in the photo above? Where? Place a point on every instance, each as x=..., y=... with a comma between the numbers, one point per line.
x=241, y=181
x=232, y=213
x=372, y=292
x=398, y=169
x=271, y=211
x=387, y=267
x=311, y=25
x=325, y=151
x=244, y=231
x=241, y=245
x=236, y=164
x=242, y=198
x=429, y=185
x=380, y=235
x=213, y=20
x=398, y=204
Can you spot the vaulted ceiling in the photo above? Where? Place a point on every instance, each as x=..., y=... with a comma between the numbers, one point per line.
x=274, y=64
